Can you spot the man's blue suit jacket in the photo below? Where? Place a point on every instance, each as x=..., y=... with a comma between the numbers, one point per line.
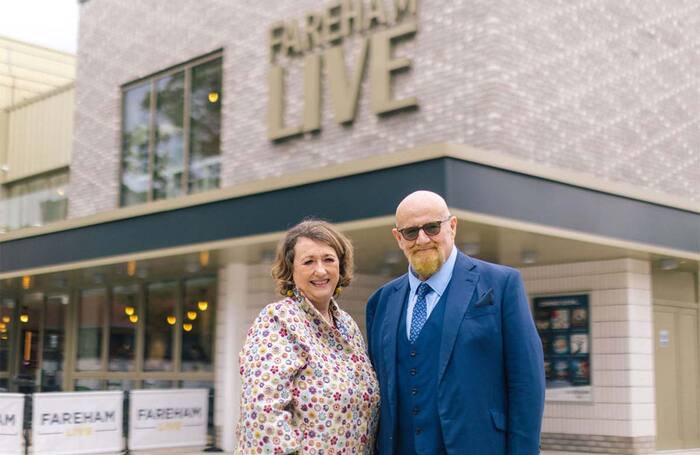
x=490, y=365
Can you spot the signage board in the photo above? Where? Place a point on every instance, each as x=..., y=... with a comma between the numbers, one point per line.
x=11, y=423
x=168, y=418
x=563, y=323
x=73, y=423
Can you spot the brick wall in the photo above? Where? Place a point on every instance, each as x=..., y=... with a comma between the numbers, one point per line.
x=603, y=87
x=622, y=412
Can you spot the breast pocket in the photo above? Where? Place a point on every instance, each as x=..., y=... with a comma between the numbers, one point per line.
x=483, y=306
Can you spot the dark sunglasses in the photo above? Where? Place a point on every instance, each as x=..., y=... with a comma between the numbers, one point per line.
x=431, y=229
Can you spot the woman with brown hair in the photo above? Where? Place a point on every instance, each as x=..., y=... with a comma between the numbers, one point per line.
x=307, y=383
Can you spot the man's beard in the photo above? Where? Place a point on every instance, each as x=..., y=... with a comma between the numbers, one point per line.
x=426, y=262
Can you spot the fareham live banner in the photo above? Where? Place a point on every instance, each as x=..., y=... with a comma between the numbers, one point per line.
x=11, y=420
x=168, y=418
x=77, y=422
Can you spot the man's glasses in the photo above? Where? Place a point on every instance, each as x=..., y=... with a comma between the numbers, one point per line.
x=431, y=229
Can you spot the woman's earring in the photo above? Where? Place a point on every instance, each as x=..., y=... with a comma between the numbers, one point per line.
x=338, y=290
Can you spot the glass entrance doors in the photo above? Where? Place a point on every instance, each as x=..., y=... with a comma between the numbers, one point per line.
x=40, y=323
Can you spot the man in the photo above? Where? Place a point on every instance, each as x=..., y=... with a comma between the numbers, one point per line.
x=454, y=346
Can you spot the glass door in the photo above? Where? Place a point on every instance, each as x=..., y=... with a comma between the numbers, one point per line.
x=53, y=343
x=30, y=325
x=40, y=357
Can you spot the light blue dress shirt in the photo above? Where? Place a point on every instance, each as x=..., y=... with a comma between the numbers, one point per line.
x=438, y=282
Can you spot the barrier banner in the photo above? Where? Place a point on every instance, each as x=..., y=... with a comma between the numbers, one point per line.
x=73, y=423
x=11, y=422
x=168, y=418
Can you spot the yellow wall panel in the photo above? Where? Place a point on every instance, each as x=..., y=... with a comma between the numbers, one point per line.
x=40, y=135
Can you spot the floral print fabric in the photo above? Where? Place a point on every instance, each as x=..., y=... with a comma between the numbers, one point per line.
x=307, y=387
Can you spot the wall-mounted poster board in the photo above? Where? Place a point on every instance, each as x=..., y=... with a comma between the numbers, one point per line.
x=563, y=323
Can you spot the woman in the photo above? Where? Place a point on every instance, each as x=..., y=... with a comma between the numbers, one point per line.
x=307, y=384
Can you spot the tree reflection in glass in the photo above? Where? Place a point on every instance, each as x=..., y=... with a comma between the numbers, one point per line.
x=168, y=160
x=135, y=124
x=205, y=127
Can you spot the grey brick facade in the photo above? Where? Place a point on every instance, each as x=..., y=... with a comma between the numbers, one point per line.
x=602, y=87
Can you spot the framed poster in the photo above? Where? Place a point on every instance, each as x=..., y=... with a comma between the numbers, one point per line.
x=563, y=323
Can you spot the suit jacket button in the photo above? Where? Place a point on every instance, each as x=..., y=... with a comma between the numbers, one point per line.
x=414, y=391
x=413, y=353
x=415, y=411
x=413, y=372
x=419, y=430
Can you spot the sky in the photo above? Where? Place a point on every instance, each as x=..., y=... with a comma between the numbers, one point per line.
x=49, y=23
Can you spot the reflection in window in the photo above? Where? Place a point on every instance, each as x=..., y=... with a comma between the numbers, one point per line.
x=157, y=125
x=168, y=160
x=83, y=385
x=161, y=319
x=7, y=310
x=198, y=325
x=205, y=127
x=35, y=201
x=91, y=310
x=135, y=130
x=122, y=328
x=52, y=361
x=116, y=384
x=157, y=384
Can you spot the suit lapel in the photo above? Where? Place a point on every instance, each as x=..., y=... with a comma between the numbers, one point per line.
x=457, y=300
x=390, y=330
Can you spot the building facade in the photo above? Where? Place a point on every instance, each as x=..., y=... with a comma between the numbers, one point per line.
x=563, y=136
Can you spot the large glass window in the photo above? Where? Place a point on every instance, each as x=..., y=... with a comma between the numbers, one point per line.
x=91, y=312
x=35, y=201
x=122, y=328
x=136, y=180
x=171, y=133
x=145, y=335
x=161, y=321
x=205, y=127
x=53, y=345
x=198, y=325
x=7, y=314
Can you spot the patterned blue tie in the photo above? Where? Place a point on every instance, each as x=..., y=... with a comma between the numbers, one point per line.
x=420, y=311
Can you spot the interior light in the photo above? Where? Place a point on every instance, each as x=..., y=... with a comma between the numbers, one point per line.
x=26, y=281
x=213, y=96
x=187, y=327
x=129, y=310
x=171, y=320
x=202, y=305
x=204, y=258
x=3, y=326
x=6, y=319
x=24, y=317
x=191, y=315
x=131, y=268
x=134, y=318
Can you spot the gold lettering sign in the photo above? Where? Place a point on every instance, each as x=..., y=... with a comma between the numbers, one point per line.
x=319, y=40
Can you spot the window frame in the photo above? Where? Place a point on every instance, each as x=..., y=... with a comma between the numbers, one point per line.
x=139, y=375
x=152, y=81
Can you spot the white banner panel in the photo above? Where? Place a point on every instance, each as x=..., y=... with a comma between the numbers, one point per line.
x=72, y=423
x=168, y=418
x=11, y=420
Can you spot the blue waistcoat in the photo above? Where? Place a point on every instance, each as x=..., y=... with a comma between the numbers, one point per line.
x=417, y=371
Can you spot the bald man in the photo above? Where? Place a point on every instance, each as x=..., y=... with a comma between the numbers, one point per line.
x=454, y=346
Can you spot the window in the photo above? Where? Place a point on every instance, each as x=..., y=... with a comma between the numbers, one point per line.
x=34, y=201
x=171, y=127
x=145, y=335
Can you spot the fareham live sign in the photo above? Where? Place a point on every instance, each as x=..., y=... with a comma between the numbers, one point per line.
x=75, y=423
x=11, y=423
x=168, y=418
